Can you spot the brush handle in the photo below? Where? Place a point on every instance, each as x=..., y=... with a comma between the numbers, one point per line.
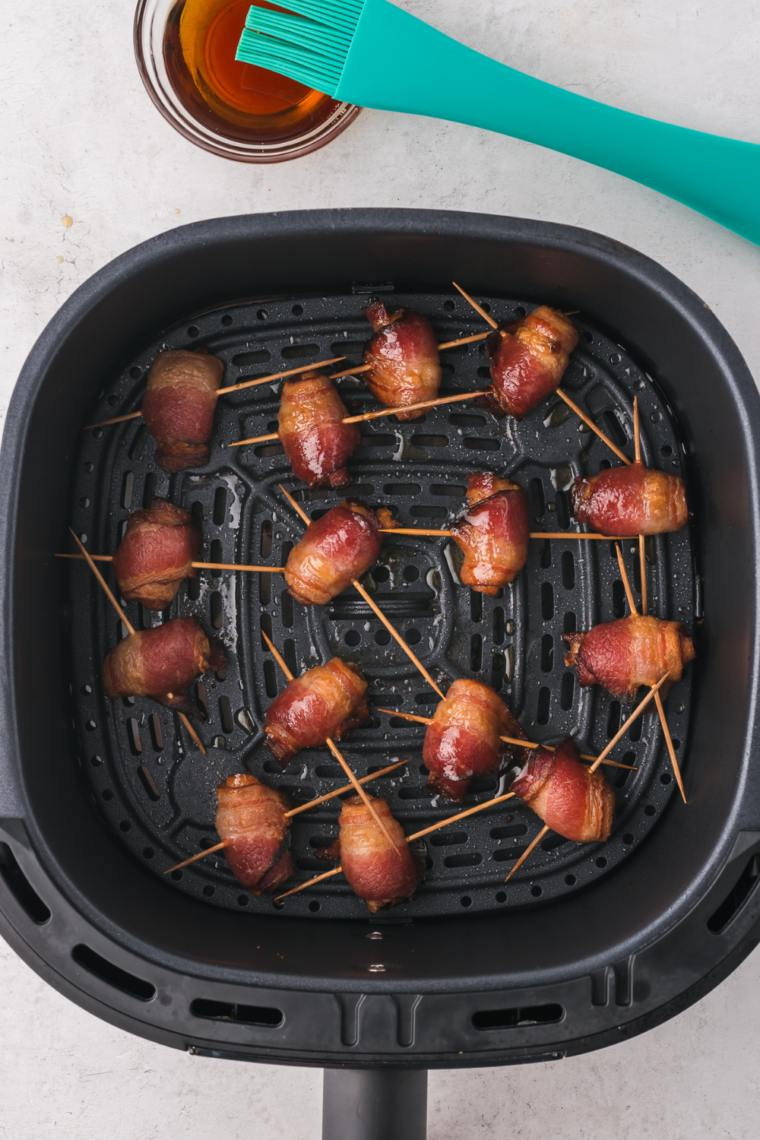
x=399, y=63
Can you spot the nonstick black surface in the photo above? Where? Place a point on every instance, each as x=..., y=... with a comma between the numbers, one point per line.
x=156, y=790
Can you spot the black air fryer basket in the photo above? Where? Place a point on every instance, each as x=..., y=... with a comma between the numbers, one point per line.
x=587, y=945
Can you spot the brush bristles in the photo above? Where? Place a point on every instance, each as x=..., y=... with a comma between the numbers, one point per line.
x=310, y=47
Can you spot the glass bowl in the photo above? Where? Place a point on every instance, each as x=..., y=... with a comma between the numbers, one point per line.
x=185, y=56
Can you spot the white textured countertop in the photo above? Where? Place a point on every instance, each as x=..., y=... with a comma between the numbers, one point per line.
x=80, y=138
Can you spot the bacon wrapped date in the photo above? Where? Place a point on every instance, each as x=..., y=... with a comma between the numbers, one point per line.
x=463, y=739
x=378, y=872
x=251, y=820
x=622, y=655
x=528, y=360
x=161, y=663
x=571, y=799
x=335, y=549
x=403, y=357
x=327, y=701
x=156, y=554
x=316, y=441
x=493, y=533
x=629, y=501
x=179, y=404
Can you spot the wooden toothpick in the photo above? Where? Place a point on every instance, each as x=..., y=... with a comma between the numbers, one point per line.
x=448, y=344
x=509, y=739
x=429, y=533
x=371, y=415
x=658, y=698
x=373, y=606
x=527, y=852
x=346, y=788
x=590, y=423
x=278, y=375
x=478, y=308
x=106, y=588
x=409, y=839
x=355, y=783
x=130, y=628
x=633, y=717
x=231, y=388
x=195, y=565
x=642, y=540
x=200, y=855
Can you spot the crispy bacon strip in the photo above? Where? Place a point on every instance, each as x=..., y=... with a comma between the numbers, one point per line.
x=493, y=533
x=251, y=820
x=156, y=554
x=160, y=663
x=622, y=655
x=328, y=700
x=528, y=360
x=571, y=799
x=335, y=549
x=463, y=738
x=377, y=871
x=179, y=404
x=403, y=358
x=630, y=501
x=316, y=441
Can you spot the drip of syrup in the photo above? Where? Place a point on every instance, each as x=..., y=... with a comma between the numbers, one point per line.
x=237, y=99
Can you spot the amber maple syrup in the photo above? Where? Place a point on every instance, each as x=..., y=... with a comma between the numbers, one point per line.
x=236, y=99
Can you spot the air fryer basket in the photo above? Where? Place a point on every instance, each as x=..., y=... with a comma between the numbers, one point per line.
x=588, y=944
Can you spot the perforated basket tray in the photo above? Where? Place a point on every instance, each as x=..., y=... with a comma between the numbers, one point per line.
x=157, y=792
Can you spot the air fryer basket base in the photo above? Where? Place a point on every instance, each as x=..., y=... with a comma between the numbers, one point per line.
x=159, y=797
x=481, y=988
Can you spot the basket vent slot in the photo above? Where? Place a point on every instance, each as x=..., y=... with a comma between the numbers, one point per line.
x=20, y=887
x=111, y=974
x=262, y=1015
x=736, y=898
x=518, y=1018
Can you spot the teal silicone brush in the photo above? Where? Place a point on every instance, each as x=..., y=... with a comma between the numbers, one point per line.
x=371, y=53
